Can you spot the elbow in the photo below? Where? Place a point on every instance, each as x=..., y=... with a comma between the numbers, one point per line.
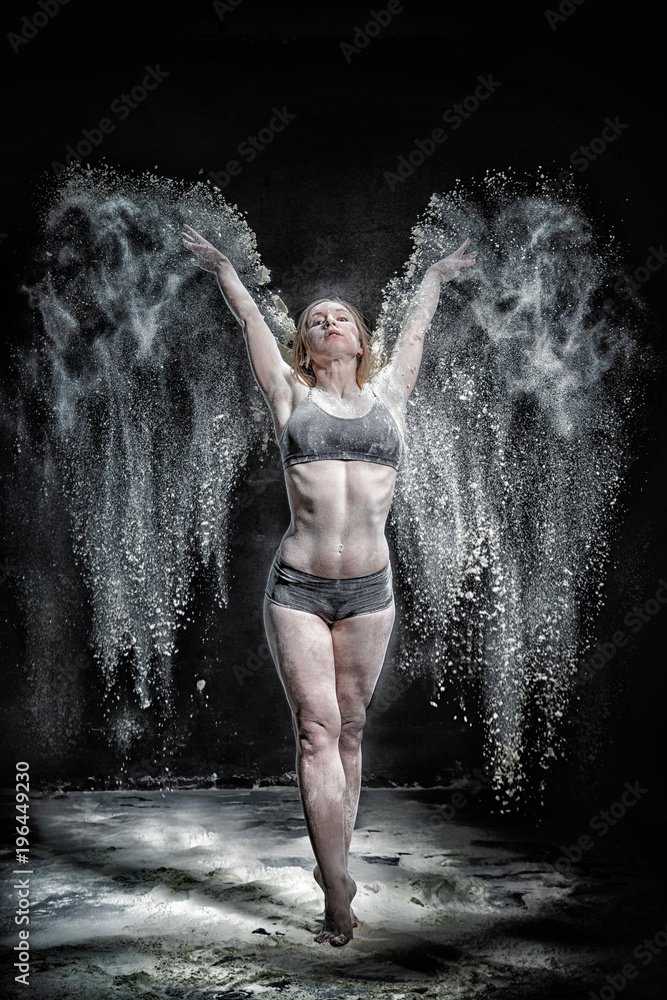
x=245, y=321
x=416, y=335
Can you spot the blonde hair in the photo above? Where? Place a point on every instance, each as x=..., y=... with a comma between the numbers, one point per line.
x=300, y=347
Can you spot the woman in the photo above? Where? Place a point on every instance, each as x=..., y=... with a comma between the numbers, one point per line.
x=329, y=607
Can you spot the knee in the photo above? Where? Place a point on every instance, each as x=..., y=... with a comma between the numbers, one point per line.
x=352, y=733
x=315, y=735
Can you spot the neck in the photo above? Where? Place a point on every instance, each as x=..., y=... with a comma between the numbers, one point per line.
x=337, y=379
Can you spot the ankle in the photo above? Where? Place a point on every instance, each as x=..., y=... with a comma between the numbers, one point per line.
x=345, y=886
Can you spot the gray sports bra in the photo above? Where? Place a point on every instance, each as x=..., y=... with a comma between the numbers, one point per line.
x=313, y=435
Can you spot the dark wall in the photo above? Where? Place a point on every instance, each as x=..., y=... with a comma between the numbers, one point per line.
x=327, y=216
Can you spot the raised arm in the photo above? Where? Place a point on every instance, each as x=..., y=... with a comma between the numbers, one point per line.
x=271, y=373
x=403, y=367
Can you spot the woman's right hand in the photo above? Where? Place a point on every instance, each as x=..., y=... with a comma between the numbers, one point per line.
x=271, y=373
x=205, y=255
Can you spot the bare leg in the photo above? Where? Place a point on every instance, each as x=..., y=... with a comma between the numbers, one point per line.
x=302, y=648
x=360, y=644
x=329, y=676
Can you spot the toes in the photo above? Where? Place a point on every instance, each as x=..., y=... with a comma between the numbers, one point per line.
x=335, y=940
x=339, y=940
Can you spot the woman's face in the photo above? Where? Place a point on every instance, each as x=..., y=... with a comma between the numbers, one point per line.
x=331, y=331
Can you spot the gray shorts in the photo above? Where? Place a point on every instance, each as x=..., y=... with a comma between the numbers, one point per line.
x=330, y=599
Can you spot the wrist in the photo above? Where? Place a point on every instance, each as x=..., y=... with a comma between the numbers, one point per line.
x=433, y=275
x=223, y=267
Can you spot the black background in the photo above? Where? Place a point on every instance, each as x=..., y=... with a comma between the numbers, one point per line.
x=323, y=176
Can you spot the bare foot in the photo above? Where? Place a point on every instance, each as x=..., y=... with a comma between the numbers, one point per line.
x=318, y=879
x=337, y=926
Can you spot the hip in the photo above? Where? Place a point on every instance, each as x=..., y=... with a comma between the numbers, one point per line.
x=331, y=599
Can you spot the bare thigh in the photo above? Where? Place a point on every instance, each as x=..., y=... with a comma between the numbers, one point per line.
x=302, y=650
x=360, y=645
x=328, y=671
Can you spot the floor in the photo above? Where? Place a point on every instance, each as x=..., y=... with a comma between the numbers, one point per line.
x=205, y=894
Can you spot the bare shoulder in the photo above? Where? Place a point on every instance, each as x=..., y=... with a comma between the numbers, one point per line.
x=388, y=389
x=289, y=392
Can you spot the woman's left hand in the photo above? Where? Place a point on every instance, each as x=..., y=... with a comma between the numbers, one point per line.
x=449, y=267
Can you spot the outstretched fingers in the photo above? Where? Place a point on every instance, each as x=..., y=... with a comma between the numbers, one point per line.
x=204, y=254
x=192, y=238
x=449, y=267
x=466, y=259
